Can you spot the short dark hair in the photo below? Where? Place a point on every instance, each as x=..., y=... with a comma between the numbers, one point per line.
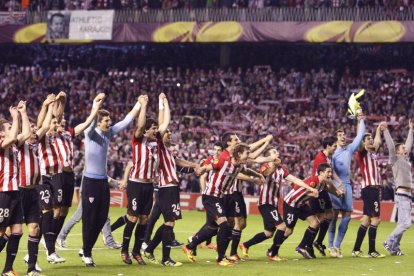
x=328, y=141
x=322, y=167
x=58, y=14
x=339, y=130
x=225, y=138
x=218, y=144
x=366, y=135
x=397, y=145
x=149, y=122
x=239, y=149
x=102, y=113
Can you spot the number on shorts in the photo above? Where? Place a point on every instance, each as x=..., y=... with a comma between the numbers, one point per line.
x=376, y=206
x=176, y=208
x=4, y=213
x=237, y=207
x=134, y=202
x=275, y=215
x=290, y=218
x=44, y=195
x=219, y=208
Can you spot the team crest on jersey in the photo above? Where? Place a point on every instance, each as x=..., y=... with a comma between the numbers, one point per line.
x=91, y=199
x=215, y=162
x=312, y=184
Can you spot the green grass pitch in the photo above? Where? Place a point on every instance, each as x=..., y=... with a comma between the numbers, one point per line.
x=109, y=263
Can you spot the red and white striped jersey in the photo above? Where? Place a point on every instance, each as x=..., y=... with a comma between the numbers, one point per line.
x=8, y=169
x=368, y=164
x=319, y=159
x=29, y=165
x=208, y=161
x=144, y=157
x=50, y=162
x=298, y=195
x=224, y=174
x=64, y=146
x=269, y=191
x=167, y=168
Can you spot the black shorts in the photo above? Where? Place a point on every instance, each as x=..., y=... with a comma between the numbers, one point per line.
x=234, y=205
x=371, y=199
x=321, y=204
x=63, y=188
x=214, y=208
x=169, y=203
x=10, y=209
x=139, y=198
x=45, y=190
x=292, y=214
x=30, y=205
x=271, y=217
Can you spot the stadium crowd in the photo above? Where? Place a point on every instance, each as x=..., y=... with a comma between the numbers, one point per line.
x=297, y=105
x=176, y=4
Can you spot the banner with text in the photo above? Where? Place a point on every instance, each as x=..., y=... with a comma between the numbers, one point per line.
x=79, y=25
x=95, y=25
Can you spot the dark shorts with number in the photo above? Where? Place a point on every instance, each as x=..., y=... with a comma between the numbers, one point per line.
x=63, y=189
x=30, y=205
x=169, y=203
x=322, y=203
x=371, y=199
x=45, y=190
x=271, y=217
x=10, y=209
x=140, y=197
x=234, y=205
x=292, y=214
x=214, y=208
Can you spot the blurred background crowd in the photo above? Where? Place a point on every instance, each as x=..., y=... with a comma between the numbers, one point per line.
x=297, y=93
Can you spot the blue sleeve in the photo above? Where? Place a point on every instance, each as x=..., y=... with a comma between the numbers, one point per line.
x=358, y=139
x=91, y=129
x=118, y=127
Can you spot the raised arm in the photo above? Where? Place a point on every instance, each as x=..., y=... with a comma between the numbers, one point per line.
x=377, y=138
x=11, y=136
x=46, y=122
x=97, y=103
x=360, y=134
x=409, y=141
x=118, y=127
x=255, y=154
x=390, y=144
x=162, y=128
x=25, y=134
x=42, y=114
x=59, y=108
x=254, y=146
x=161, y=108
x=140, y=127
